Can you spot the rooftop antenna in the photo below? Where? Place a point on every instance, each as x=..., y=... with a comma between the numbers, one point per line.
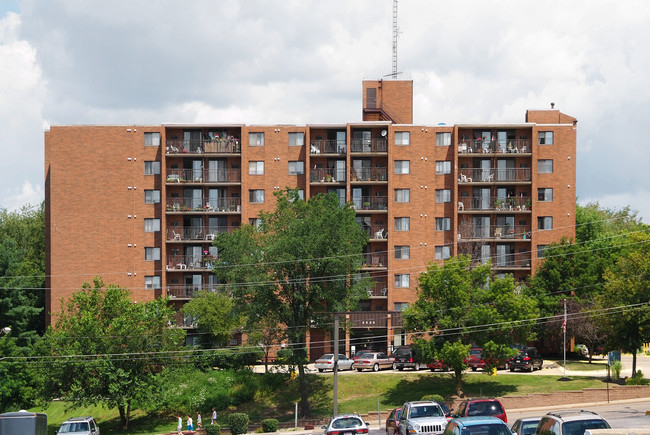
x=395, y=30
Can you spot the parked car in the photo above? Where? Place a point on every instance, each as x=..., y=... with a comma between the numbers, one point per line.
x=423, y=417
x=526, y=426
x=346, y=424
x=481, y=407
x=407, y=357
x=392, y=421
x=477, y=360
x=477, y=425
x=571, y=422
x=438, y=364
x=528, y=359
x=326, y=362
x=79, y=426
x=373, y=361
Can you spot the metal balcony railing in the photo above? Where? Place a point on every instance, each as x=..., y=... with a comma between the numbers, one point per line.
x=327, y=147
x=190, y=262
x=469, y=232
x=369, y=174
x=330, y=175
x=493, y=203
x=370, y=203
x=228, y=204
x=189, y=290
x=216, y=146
x=204, y=176
x=375, y=260
x=369, y=145
x=478, y=175
x=196, y=233
x=376, y=232
x=480, y=146
x=379, y=290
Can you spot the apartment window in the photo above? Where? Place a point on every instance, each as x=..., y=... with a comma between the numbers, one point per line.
x=256, y=139
x=443, y=167
x=301, y=195
x=402, y=166
x=442, y=252
x=443, y=139
x=402, y=252
x=545, y=195
x=151, y=254
x=402, y=224
x=402, y=195
x=545, y=223
x=402, y=280
x=401, y=306
x=255, y=222
x=541, y=251
x=443, y=224
x=152, y=196
x=443, y=195
x=152, y=139
x=256, y=168
x=152, y=282
x=296, y=167
x=545, y=166
x=545, y=138
x=402, y=138
x=151, y=225
x=151, y=168
x=256, y=196
x=296, y=139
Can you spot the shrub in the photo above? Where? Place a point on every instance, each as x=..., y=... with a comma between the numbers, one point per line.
x=270, y=425
x=433, y=397
x=238, y=423
x=616, y=369
x=212, y=429
x=637, y=379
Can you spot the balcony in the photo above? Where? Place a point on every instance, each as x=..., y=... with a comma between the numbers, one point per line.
x=478, y=175
x=176, y=234
x=190, y=262
x=379, y=290
x=369, y=145
x=327, y=147
x=216, y=146
x=372, y=203
x=224, y=205
x=375, y=260
x=516, y=204
x=483, y=232
x=512, y=261
x=509, y=146
x=376, y=232
x=330, y=175
x=204, y=176
x=188, y=291
x=369, y=174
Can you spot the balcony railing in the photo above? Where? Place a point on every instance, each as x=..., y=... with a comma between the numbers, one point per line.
x=330, y=175
x=190, y=262
x=378, y=291
x=196, y=233
x=376, y=232
x=217, y=146
x=493, y=203
x=204, y=176
x=189, y=290
x=375, y=260
x=518, y=260
x=468, y=232
x=369, y=145
x=327, y=147
x=370, y=203
x=480, y=146
x=478, y=175
x=369, y=174
x=229, y=204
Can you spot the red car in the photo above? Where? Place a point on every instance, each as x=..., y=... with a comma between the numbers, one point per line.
x=481, y=408
x=438, y=365
x=392, y=422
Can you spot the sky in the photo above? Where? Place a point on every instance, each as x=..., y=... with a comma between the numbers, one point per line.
x=125, y=62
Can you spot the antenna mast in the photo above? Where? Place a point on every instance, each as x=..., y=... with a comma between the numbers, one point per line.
x=394, y=74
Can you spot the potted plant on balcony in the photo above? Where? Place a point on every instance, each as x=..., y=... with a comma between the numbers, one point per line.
x=328, y=178
x=527, y=204
x=366, y=205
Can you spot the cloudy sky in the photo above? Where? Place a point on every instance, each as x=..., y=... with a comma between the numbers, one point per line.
x=302, y=61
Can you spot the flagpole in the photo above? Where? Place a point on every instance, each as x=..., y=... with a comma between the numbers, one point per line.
x=564, y=328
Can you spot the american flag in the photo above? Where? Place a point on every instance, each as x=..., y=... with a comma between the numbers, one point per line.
x=564, y=323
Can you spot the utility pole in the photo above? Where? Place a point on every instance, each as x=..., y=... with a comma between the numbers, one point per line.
x=336, y=363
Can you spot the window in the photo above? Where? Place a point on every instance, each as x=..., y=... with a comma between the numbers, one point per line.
x=402, y=195
x=256, y=139
x=296, y=167
x=401, y=306
x=402, y=280
x=151, y=168
x=402, y=252
x=545, y=223
x=296, y=139
x=255, y=167
x=402, y=138
x=545, y=138
x=301, y=195
x=402, y=166
x=541, y=250
x=545, y=166
x=152, y=282
x=443, y=195
x=152, y=196
x=442, y=252
x=443, y=167
x=255, y=222
x=152, y=139
x=151, y=225
x=443, y=139
x=443, y=224
x=402, y=224
x=545, y=195
x=151, y=254
x=256, y=196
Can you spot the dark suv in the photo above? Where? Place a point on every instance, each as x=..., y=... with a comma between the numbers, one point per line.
x=482, y=408
x=528, y=359
x=407, y=357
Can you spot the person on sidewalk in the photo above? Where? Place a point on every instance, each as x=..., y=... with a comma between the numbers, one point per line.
x=214, y=415
x=190, y=423
x=199, y=422
x=179, y=427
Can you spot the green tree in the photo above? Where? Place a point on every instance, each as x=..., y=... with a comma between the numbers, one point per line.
x=106, y=349
x=215, y=314
x=299, y=264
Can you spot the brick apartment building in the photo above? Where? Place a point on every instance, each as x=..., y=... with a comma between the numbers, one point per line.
x=139, y=205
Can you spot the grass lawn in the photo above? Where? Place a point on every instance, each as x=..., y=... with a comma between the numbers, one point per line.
x=584, y=365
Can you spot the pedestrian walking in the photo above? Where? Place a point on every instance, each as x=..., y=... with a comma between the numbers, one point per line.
x=190, y=424
x=199, y=423
x=179, y=427
x=214, y=415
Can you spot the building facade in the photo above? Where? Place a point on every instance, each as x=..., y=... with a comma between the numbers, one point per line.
x=139, y=206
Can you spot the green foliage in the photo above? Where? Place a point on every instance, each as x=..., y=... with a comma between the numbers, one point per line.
x=433, y=397
x=238, y=423
x=495, y=355
x=116, y=348
x=212, y=429
x=616, y=368
x=637, y=379
x=270, y=425
x=454, y=355
x=215, y=314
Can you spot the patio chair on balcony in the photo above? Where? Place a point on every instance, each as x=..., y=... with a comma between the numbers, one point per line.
x=461, y=206
x=498, y=232
x=176, y=235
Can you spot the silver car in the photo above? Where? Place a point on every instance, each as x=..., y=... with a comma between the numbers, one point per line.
x=79, y=426
x=326, y=362
x=422, y=418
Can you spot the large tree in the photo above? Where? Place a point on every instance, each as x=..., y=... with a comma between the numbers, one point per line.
x=106, y=349
x=301, y=263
